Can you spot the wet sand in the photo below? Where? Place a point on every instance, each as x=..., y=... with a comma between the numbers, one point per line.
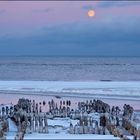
x=7, y=98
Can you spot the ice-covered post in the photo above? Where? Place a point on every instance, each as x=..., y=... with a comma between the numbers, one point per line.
x=33, y=106
x=103, y=123
x=40, y=123
x=36, y=107
x=3, y=110
x=45, y=124
x=90, y=126
x=36, y=122
x=71, y=129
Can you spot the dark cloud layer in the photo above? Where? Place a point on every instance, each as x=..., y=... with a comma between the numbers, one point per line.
x=108, y=4
x=113, y=37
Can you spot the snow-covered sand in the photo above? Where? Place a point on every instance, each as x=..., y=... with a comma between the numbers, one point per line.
x=70, y=136
x=62, y=133
x=119, y=90
x=52, y=132
x=12, y=130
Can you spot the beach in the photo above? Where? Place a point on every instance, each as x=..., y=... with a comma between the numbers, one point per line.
x=112, y=92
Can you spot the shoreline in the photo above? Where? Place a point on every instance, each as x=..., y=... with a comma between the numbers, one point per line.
x=69, y=95
x=96, y=89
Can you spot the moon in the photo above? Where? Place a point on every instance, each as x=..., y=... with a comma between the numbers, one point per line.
x=91, y=13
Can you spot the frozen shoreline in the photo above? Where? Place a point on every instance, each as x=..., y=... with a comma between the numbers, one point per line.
x=97, y=89
x=70, y=95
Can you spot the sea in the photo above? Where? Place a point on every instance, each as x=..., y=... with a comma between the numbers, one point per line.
x=70, y=68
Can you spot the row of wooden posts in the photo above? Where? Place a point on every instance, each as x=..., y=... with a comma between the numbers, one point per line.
x=4, y=127
x=29, y=117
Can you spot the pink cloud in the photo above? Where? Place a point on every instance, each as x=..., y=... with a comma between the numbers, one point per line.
x=21, y=15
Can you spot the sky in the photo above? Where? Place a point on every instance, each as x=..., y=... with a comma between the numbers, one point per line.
x=63, y=28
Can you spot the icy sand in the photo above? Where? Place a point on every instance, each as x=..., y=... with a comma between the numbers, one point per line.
x=68, y=136
x=117, y=90
x=52, y=135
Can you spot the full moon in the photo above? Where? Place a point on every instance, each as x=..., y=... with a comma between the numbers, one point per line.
x=91, y=13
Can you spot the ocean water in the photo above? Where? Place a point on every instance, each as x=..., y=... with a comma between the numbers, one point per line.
x=70, y=68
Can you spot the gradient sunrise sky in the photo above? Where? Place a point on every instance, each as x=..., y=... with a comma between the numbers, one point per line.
x=64, y=28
